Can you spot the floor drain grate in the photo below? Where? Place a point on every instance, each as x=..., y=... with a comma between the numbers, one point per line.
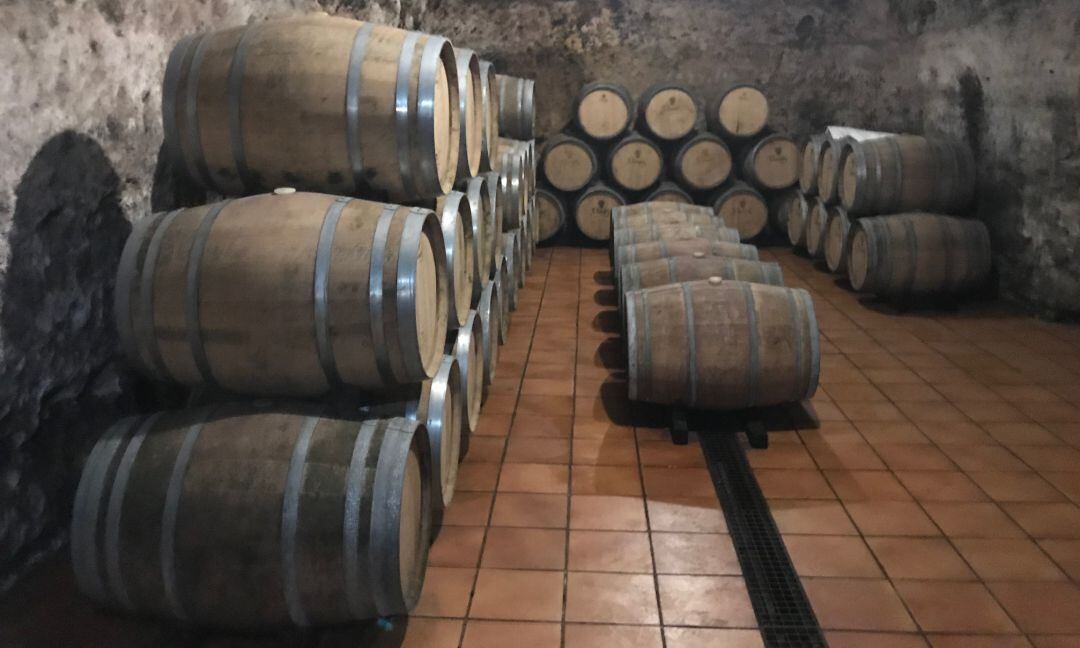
x=783, y=611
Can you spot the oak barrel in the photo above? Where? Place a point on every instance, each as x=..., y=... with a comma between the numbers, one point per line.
x=718, y=344
x=515, y=191
x=489, y=97
x=635, y=163
x=253, y=520
x=603, y=111
x=455, y=216
x=741, y=113
x=568, y=163
x=466, y=345
x=673, y=233
x=669, y=192
x=703, y=163
x=743, y=208
x=772, y=163
x=815, y=228
x=489, y=311
x=780, y=208
x=677, y=269
x=316, y=102
x=592, y=211
x=906, y=173
x=517, y=114
x=918, y=254
x=837, y=226
x=480, y=198
x=358, y=297
x=798, y=217
x=550, y=215
x=512, y=254
x=652, y=250
x=662, y=216
x=828, y=171
x=471, y=107
x=497, y=195
x=810, y=165
x=504, y=285
x=667, y=111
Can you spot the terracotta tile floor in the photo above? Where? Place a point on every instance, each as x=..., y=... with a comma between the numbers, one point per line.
x=937, y=505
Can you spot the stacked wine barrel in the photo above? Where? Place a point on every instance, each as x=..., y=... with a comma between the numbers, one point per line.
x=707, y=324
x=667, y=146
x=882, y=209
x=338, y=334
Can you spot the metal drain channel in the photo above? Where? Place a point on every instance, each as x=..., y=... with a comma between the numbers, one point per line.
x=784, y=615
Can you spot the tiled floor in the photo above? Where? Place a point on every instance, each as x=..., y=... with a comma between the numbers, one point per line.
x=936, y=505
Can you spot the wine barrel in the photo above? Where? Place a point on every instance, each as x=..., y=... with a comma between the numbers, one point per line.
x=669, y=192
x=359, y=109
x=358, y=296
x=741, y=113
x=657, y=208
x=906, y=173
x=779, y=208
x=455, y=216
x=673, y=233
x=525, y=151
x=504, y=285
x=592, y=211
x=908, y=255
x=489, y=97
x=517, y=116
x=836, y=232
x=827, y=172
x=672, y=270
x=703, y=163
x=667, y=111
x=515, y=190
x=466, y=346
x=489, y=311
x=496, y=195
x=663, y=217
x=772, y=163
x=743, y=208
x=652, y=250
x=722, y=345
x=798, y=217
x=815, y=228
x=512, y=254
x=252, y=520
x=471, y=107
x=603, y=111
x=550, y=215
x=568, y=163
x=635, y=163
x=480, y=207
x=811, y=164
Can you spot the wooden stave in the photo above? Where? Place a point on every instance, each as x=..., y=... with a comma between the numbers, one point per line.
x=615, y=88
x=695, y=267
x=815, y=224
x=721, y=387
x=713, y=113
x=497, y=195
x=514, y=270
x=646, y=220
x=515, y=198
x=124, y=462
x=653, y=250
x=734, y=191
x=517, y=115
x=479, y=196
x=137, y=308
x=455, y=219
x=811, y=160
x=466, y=345
x=953, y=233
x=489, y=310
x=750, y=156
x=547, y=233
x=684, y=150
x=490, y=98
x=674, y=233
x=595, y=233
x=828, y=171
x=652, y=207
x=798, y=216
x=567, y=140
x=835, y=245
x=667, y=190
x=504, y=286
x=633, y=138
x=470, y=106
x=643, y=107
x=402, y=176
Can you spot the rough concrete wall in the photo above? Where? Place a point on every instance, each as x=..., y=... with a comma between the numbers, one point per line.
x=80, y=105
x=1005, y=76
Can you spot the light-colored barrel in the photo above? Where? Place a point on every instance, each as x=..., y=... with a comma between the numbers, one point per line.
x=669, y=192
x=667, y=111
x=772, y=163
x=743, y=208
x=515, y=190
x=471, y=107
x=569, y=164
x=719, y=344
x=489, y=97
x=455, y=217
x=358, y=296
x=908, y=255
x=496, y=194
x=650, y=207
x=592, y=211
x=603, y=111
x=517, y=113
x=798, y=217
x=677, y=269
x=550, y=215
x=652, y=250
x=490, y=315
x=906, y=173
x=466, y=345
x=252, y=520
x=815, y=228
x=514, y=270
x=741, y=113
x=635, y=163
x=483, y=220
x=810, y=165
x=828, y=171
x=674, y=233
x=504, y=284
x=703, y=163
x=316, y=102
x=837, y=227
x=662, y=216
